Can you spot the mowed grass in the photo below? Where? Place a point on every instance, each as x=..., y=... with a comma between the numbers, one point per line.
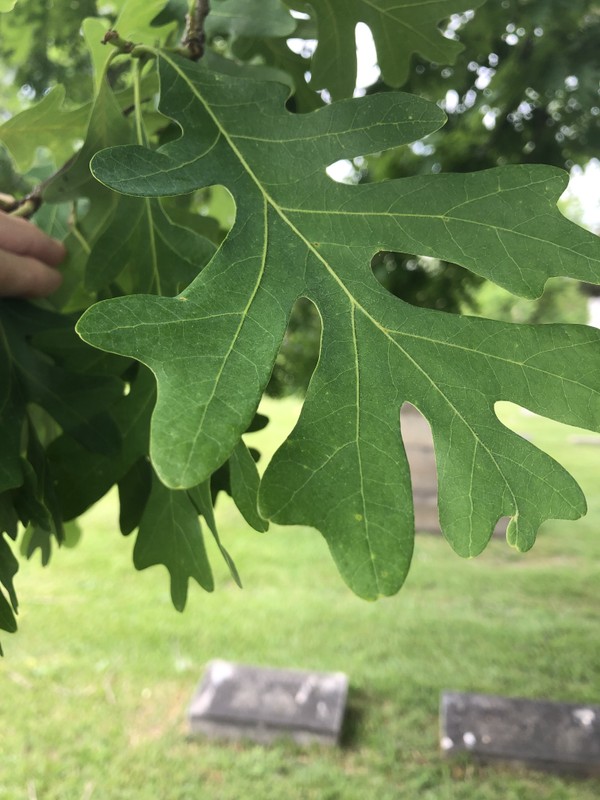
x=94, y=687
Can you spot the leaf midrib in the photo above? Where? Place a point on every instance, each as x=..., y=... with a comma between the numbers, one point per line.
x=243, y=317
x=279, y=211
x=358, y=451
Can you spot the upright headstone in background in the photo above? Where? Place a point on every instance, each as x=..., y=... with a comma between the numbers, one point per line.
x=558, y=737
x=240, y=702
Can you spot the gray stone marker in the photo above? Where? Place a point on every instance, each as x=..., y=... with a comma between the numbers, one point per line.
x=241, y=702
x=558, y=737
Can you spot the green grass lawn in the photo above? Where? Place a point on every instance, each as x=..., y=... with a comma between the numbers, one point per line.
x=94, y=687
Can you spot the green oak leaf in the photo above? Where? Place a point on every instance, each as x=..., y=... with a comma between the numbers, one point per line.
x=37, y=538
x=297, y=233
x=274, y=51
x=11, y=419
x=9, y=522
x=202, y=499
x=111, y=251
x=255, y=72
x=35, y=384
x=134, y=491
x=244, y=483
x=72, y=400
x=94, y=30
x=9, y=567
x=135, y=18
x=85, y=229
x=36, y=502
x=249, y=18
x=106, y=124
x=170, y=534
x=134, y=23
x=156, y=254
x=7, y=618
x=82, y=476
x=45, y=124
x=54, y=219
x=45, y=390
x=60, y=129
x=400, y=29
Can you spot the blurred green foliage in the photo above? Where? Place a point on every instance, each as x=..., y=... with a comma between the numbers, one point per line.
x=41, y=46
x=562, y=301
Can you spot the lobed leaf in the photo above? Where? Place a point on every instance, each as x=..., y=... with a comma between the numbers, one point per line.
x=249, y=18
x=400, y=28
x=171, y=516
x=45, y=124
x=297, y=233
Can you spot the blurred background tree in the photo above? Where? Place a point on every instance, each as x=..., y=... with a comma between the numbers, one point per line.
x=40, y=46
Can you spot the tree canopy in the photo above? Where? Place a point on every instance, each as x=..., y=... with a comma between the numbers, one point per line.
x=183, y=160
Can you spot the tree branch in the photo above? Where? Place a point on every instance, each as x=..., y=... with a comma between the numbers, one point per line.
x=26, y=206
x=112, y=37
x=194, y=37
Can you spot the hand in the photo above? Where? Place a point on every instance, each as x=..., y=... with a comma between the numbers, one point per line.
x=28, y=259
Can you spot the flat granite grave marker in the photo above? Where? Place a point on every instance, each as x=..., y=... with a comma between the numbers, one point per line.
x=235, y=701
x=557, y=737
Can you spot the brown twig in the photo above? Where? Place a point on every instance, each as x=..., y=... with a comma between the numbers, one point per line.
x=7, y=201
x=194, y=37
x=113, y=38
x=27, y=206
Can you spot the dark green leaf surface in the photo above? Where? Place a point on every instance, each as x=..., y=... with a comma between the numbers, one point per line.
x=170, y=534
x=203, y=502
x=249, y=18
x=244, y=483
x=11, y=419
x=106, y=125
x=400, y=29
x=9, y=522
x=146, y=251
x=7, y=618
x=82, y=475
x=134, y=491
x=212, y=348
x=36, y=538
x=8, y=569
x=46, y=389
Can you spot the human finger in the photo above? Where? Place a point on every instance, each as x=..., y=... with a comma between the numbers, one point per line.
x=23, y=238
x=23, y=276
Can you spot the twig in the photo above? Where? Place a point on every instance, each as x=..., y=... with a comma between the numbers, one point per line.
x=7, y=202
x=27, y=206
x=113, y=38
x=194, y=37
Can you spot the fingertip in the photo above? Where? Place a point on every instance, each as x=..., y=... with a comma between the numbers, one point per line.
x=23, y=276
x=43, y=281
x=23, y=238
x=56, y=253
